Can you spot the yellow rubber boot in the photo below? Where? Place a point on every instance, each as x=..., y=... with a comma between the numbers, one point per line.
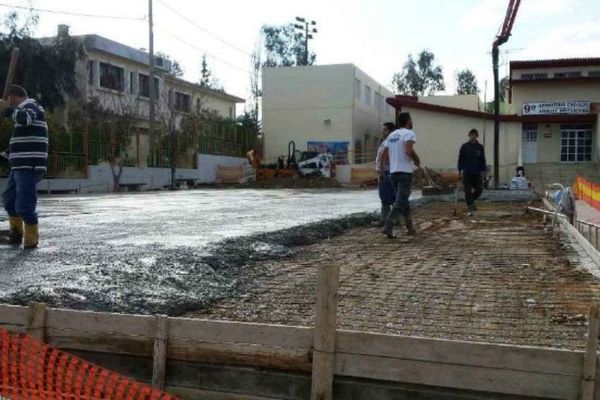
x=15, y=235
x=32, y=236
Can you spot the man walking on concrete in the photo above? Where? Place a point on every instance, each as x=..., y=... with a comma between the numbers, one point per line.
x=28, y=155
x=471, y=166
x=387, y=189
x=400, y=153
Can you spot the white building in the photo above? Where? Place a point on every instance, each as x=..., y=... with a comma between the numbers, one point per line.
x=335, y=107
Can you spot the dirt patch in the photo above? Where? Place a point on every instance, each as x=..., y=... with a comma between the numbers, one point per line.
x=294, y=183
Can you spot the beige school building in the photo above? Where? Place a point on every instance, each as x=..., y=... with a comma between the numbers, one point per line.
x=552, y=129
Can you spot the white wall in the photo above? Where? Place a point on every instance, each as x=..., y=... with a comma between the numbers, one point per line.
x=319, y=103
x=208, y=163
x=368, y=116
x=297, y=102
x=465, y=102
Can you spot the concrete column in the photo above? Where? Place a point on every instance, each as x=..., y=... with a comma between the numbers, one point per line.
x=96, y=73
x=136, y=83
x=126, y=80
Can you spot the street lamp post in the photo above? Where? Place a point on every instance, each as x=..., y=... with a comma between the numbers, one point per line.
x=307, y=29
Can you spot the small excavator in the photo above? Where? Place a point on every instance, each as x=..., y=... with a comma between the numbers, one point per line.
x=298, y=163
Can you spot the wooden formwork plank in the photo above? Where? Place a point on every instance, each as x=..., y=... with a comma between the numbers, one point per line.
x=238, y=332
x=521, y=358
x=238, y=354
x=112, y=343
x=88, y=321
x=36, y=321
x=325, y=332
x=494, y=380
x=159, y=364
x=13, y=315
x=184, y=350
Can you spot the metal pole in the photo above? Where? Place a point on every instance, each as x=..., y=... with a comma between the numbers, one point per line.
x=495, y=56
x=151, y=112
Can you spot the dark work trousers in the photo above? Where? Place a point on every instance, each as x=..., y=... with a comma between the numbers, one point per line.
x=403, y=183
x=473, y=184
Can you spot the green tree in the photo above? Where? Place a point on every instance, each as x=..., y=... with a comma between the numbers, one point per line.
x=421, y=77
x=466, y=82
x=205, y=74
x=45, y=68
x=284, y=47
x=176, y=69
x=504, y=84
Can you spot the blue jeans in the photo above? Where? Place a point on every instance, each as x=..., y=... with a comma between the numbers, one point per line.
x=387, y=190
x=20, y=196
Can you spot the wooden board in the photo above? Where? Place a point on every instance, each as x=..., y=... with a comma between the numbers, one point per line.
x=241, y=355
x=13, y=315
x=100, y=342
x=237, y=332
x=494, y=380
x=499, y=356
x=106, y=323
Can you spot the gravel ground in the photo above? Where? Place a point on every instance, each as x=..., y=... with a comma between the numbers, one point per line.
x=500, y=277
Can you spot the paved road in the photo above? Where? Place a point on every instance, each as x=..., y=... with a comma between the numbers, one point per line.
x=136, y=252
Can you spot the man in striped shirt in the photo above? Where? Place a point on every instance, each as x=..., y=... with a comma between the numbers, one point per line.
x=28, y=156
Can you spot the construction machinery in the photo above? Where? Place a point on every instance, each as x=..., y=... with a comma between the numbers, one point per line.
x=298, y=163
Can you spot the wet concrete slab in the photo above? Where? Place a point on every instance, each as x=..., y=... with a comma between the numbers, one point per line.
x=166, y=251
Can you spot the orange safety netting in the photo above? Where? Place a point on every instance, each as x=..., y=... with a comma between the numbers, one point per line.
x=587, y=191
x=30, y=369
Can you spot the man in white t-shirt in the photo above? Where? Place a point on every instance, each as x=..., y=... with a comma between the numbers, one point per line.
x=400, y=152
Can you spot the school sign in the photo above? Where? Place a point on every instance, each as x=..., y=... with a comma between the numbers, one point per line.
x=557, y=107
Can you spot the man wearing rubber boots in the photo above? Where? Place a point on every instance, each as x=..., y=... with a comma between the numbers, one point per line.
x=400, y=153
x=28, y=156
x=387, y=189
x=471, y=166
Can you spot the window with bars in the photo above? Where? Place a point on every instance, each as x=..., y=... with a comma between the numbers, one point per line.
x=357, y=87
x=529, y=134
x=182, y=102
x=571, y=74
x=377, y=104
x=575, y=143
x=534, y=76
x=112, y=77
x=144, y=86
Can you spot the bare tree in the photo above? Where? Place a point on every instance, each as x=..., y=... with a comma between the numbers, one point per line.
x=168, y=116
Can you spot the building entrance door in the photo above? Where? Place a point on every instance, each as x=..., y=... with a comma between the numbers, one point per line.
x=530, y=144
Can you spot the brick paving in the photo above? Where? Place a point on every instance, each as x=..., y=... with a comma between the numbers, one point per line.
x=501, y=277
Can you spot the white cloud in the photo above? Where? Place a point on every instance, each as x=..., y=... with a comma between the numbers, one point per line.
x=576, y=40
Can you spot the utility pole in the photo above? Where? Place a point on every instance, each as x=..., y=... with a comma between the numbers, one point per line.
x=306, y=29
x=152, y=94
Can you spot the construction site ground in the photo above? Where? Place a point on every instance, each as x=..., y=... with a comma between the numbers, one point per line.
x=501, y=277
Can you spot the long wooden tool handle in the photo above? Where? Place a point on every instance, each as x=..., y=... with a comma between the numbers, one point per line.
x=12, y=67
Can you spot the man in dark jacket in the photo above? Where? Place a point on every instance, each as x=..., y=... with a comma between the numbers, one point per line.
x=471, y=166
x=28, y=156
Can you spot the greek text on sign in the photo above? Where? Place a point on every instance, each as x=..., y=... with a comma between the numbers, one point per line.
x=557, y=107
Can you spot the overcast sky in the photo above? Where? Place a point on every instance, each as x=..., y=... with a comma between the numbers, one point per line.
x=376, y=35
